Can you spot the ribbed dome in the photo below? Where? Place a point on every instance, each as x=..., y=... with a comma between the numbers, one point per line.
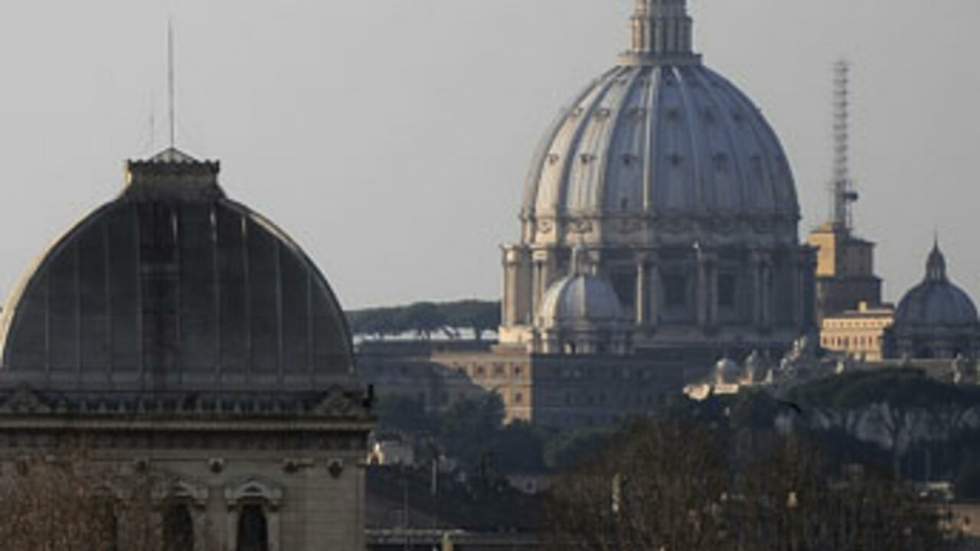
x=580, y=299
x=662, y=136
x=172, y=286
x=664, y=139
x=936, y=301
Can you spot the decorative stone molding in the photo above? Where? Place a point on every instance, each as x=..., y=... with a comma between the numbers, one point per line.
x=334, y=402
x=293, y=465
x=216, y=464
x=253, y=489
x=182, y=489
x=335, y=467
x=25, y=400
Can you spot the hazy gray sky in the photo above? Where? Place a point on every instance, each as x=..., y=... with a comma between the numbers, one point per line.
x=391, y=137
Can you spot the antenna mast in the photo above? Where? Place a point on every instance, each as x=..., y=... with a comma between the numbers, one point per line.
x=171, y=95
x=842, y=187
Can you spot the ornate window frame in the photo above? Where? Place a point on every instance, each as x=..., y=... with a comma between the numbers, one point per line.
x=192, y=493
x=253, y=490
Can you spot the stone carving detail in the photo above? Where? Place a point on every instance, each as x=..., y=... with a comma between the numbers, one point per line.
x=294, y=465
x=631, y=225
x=580, y=225
x=335, y=467
x=253, y=488
x=216, y=465
x=182, y=489
x=25, y=400
x=335, y=401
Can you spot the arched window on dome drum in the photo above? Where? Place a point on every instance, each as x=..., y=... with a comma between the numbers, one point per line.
x=727, y=290
x=178, y=527
x=624, y=283
x=675, y=290
x=253, y=529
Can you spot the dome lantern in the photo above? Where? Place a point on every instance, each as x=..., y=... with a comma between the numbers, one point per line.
x=662, y=31
x=936, y=265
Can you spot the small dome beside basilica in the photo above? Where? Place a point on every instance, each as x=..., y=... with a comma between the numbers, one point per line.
x=936, y=300
x=935, y=319
x=581, y=313
x=580, y=299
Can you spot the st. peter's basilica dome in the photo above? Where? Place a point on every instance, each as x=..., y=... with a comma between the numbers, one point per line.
x=679, y=188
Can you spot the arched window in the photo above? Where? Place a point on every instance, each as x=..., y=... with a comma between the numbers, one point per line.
x=108, y=523
x=253, y=529
x=178, y=527
x=253, y=521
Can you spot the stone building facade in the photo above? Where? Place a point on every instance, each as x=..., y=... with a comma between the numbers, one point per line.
x=845, y=271
x=858, y=334
x=178, y=333
x=564, y=391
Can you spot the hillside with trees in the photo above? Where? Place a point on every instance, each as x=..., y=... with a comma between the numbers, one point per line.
x=425, y=319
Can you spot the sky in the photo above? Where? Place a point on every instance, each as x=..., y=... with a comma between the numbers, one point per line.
x=391, y=138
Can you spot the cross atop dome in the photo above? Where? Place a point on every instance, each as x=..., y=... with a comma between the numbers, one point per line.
x=662, y=34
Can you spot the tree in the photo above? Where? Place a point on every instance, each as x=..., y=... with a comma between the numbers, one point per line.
x=65, y=501
x=477, y=315
x=424, y=318
x=658, y=487
x=519, y=447
x=790, y=498
x=404, y=414
x=670, y=485
x=468, y=427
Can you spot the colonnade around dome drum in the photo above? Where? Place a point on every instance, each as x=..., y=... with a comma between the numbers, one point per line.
x=738, y=293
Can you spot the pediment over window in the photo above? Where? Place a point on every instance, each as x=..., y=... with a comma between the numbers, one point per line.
x=253, y=489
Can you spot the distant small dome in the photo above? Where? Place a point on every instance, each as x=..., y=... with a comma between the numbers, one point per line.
x=936, y=301
x=580, y=298
x=727, y=371
x=755, y=366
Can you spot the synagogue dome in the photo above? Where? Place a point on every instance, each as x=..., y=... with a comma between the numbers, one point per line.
x=173, y=286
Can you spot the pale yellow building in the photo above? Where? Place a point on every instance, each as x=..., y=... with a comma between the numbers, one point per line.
x=845, y=271
x=858, y=333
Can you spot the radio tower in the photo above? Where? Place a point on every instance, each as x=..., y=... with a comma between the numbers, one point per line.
x=842, y=187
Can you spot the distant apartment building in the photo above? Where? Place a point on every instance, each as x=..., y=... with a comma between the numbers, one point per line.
x=858, y=334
